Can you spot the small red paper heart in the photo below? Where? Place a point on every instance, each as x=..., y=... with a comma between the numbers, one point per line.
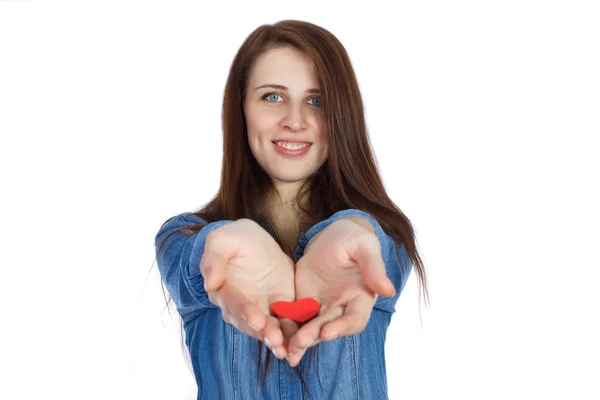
x=300, y=311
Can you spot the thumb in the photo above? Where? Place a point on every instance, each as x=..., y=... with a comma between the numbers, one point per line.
x=373, y=270
x=213, y=265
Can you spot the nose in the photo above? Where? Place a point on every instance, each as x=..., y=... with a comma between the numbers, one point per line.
x=295, y=119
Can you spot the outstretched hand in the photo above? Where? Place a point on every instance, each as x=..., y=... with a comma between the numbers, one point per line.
x=245, y=272
x=343, y=270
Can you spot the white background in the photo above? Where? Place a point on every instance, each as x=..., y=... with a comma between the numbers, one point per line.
x=484, y=117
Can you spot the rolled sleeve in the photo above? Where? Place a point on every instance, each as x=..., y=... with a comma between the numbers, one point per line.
x=397, y=270
x=179, y=263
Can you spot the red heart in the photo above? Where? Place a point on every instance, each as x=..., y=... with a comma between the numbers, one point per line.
x=300, y=311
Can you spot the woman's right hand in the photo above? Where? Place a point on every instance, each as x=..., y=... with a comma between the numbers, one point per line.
x=245, y=271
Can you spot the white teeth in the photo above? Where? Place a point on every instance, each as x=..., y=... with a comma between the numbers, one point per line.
x=292, y=146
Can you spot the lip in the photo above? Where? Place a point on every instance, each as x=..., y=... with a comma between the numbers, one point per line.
x=291, y=140
x=292, y=153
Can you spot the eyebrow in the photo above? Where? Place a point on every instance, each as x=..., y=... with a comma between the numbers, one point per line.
x=281, y=87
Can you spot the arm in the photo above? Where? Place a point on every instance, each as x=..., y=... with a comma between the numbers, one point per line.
x=179, y=263
x=396, y=272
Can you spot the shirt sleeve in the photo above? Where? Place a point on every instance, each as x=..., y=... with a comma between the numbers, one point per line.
x=179, y=263
x=397, y=272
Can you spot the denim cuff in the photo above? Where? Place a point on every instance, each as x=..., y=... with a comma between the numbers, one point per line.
x=305, y=237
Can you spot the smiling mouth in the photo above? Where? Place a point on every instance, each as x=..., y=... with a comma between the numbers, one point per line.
x=292, y=152
x=291, y=145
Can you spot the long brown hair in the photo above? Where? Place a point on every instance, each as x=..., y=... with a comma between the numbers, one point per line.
x=349, y=178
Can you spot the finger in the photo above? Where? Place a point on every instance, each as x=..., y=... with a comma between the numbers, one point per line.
x=241, y=308
x=289, y=328
x=273, y=337
x=309, y=332
x=294, y=359
x=271, y=329
x=353, y=321
x=368, y=256
x=241, y=325
x=253, y=315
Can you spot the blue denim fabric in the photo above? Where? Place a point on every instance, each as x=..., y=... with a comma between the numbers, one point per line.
x=225, y=360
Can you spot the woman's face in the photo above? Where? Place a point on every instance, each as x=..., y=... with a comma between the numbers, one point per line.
x=291, y=109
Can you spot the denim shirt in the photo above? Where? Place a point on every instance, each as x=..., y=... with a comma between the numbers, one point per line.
x=225, y=359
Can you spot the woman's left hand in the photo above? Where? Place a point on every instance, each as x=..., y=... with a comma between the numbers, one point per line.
x=343, y=270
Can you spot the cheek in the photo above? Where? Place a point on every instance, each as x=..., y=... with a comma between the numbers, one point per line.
x=261, y=122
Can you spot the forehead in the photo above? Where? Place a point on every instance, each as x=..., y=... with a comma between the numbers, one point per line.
x=284, y=66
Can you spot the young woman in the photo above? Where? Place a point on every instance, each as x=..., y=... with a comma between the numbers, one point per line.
x=301, y=212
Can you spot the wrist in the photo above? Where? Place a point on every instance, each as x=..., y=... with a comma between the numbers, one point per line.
x=362, y=222
x=311, y=241
x=357, y=220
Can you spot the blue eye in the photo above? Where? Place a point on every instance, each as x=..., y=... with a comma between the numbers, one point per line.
x=267, y=97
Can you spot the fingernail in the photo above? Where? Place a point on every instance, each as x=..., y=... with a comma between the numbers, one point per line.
x=268, y=343
x=275, y=353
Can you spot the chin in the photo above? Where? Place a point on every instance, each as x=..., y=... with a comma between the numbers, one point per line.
x=290, y=179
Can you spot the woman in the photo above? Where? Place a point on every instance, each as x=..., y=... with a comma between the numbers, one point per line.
x=301, y=212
